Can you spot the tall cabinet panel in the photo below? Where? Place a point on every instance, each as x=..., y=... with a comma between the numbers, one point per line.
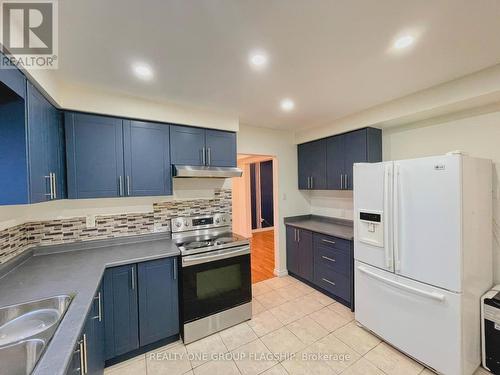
x=187, y=145
x=147, y=159
x=95, y=156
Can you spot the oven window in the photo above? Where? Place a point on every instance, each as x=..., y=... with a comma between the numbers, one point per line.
x=211, y=283
x=215, y=286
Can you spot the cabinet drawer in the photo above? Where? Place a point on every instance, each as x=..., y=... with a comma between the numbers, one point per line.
x=338, y=261
x=333, y=282
x=331, y=242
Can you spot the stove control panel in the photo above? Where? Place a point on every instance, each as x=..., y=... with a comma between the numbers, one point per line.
x=182, y=224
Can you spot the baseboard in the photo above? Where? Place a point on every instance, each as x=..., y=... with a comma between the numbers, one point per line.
x=280, y=273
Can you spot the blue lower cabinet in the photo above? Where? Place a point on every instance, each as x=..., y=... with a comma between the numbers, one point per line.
x=120, y=310
x=140, y=306
x=88, y=356
x=158, y=300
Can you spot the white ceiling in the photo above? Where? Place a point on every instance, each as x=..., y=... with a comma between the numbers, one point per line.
x=332, y=57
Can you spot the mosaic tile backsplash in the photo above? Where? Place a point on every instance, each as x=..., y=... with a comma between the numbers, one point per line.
x=15, y=240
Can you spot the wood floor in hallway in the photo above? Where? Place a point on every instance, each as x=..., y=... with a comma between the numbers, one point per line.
x=262, y=256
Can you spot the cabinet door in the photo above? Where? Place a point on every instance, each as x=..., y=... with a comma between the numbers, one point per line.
x=221, y=148
x=158, y=300
x=38, y=141
x=147, y=159
x=95, y=156
x=56, y=152
x=304, y=168
x=335, y=162
x=355, y=151
x=312, y=165
x=95, y=345
x=292, y=259
x=305, y=254
x=187, y=145
x=120, y=310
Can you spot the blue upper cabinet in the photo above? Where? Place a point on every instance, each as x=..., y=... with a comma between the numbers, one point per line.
x=220, y=148
x=364, y=145
x=202, y=147
x=327, y=163
x=31, y=146
x=187, y=145
x=158, y=300
x=94, y=147
x=312, y=165
x=147, y=159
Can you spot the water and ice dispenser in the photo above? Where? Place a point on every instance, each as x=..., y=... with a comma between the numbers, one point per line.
x=371, y=228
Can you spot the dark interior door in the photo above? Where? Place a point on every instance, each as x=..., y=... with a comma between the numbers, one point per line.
x=266, y=194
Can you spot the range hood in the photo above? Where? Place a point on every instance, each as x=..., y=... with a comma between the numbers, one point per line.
x=190, y=171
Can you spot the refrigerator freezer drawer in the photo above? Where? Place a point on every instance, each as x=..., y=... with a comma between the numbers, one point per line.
x=420, y=320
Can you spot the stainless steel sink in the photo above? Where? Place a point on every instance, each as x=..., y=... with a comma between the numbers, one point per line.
x=26, y=329
x=20, y=358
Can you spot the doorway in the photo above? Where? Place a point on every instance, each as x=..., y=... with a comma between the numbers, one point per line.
x=254, y=211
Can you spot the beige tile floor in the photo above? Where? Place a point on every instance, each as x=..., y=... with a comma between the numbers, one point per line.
x=294, y=330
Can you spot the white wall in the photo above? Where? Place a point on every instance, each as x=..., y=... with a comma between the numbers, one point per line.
x=280, y=144
x=330, y=203
x=478, y=135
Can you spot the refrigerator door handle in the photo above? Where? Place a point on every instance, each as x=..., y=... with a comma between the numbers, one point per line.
x=397, y=260
x=432, y=295
x=387, y=240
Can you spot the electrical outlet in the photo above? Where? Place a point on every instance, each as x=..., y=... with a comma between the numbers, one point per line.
x=90, y=221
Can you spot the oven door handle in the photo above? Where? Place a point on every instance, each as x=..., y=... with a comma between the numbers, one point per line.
x=192, y=260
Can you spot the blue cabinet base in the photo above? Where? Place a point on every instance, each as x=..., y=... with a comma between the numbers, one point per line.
x=141, y=350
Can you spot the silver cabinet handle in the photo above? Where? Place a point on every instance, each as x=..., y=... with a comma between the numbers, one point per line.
x=341, y=181
x=312, y=182
x=328, y=258
x=85, y=369
x=128, y=185
x=298, y=235
x=54, y=184
x=295, y=234
x=51, y=185
x=82, y=360
x=203, y=156
x=133, y=278
x=328, y=241
x=99, y=307
x=209, y=156
x=120, y=186
x=328, y=281
x=175, y=268
x=346, y=181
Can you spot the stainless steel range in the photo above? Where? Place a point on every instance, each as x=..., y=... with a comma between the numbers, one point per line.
x=215, y=283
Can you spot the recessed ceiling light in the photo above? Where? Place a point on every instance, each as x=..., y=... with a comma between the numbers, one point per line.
x=404, y=42
x=143, y=71
x=258, y=60
x=287, y=105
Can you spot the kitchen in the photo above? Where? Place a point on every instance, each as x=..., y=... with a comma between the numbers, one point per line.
x=117, y=251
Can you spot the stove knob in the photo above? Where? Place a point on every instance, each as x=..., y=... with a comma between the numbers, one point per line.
x=186, y=223
x=178, y=224
x=217, y=221
x=224, y=219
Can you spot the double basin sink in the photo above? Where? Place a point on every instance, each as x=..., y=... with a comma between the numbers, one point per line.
x=25, y=331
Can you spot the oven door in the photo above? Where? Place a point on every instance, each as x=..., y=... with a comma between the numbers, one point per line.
x=215, y=281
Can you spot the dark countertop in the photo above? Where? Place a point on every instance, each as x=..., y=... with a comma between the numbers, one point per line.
x=74, y=269
x=341, y=228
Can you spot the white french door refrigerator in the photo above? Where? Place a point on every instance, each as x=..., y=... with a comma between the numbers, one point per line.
x=423, y=256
